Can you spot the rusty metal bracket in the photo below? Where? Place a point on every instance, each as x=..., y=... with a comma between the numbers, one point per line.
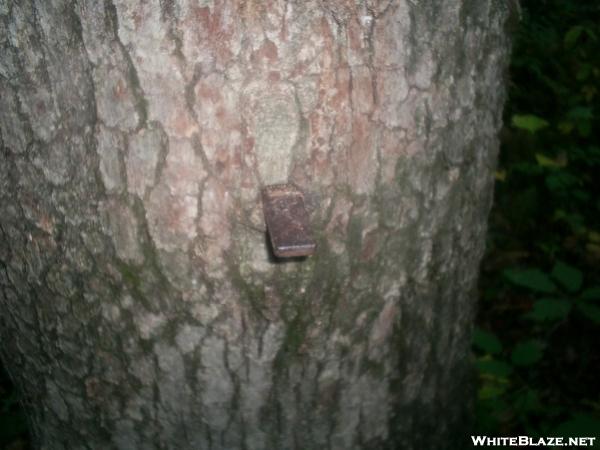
x=287, y=221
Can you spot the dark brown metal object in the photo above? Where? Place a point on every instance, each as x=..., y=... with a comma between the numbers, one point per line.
x=287, y=221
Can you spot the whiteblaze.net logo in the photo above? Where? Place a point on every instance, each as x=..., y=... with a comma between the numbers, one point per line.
x=526, y=441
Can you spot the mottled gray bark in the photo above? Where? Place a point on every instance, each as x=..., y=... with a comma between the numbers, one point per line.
x=140, y=308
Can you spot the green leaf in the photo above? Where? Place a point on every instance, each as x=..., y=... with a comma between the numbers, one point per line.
x=486, y=341
x=592, y=293
x=580, y=113
x=529, y=122
x=579, y=425
x=560, y=181
x=592, y=312
x=499, y=369
x=574, y=220
x=584, y=128
x=584, y=71
x=529, y=400
x=548, y=309
x=568, y=276
x=527, y=353
x=532, y=279
x=488, y=391
x=545, y=161
x=572, y=35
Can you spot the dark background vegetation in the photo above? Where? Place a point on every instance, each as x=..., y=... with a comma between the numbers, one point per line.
x=537, y=336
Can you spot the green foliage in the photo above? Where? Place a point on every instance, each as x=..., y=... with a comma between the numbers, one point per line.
x=579, y=425
x=529, y=122
x=539, y=319
x=569, y=277
x=527, y=353
x=498, y=369
x=591, y=293
x=592, y=312
x=532, y=279
x=486, y=341
x=550, y=309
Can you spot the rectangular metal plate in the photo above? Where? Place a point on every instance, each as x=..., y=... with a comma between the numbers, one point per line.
x=287, y=221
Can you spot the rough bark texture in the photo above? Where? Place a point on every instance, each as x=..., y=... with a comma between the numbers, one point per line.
x=139, y=305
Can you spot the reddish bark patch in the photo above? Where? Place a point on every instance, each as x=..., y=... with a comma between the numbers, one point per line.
x=362, y=157
x=267, y=52
x=182, y=123
x=217, y=110
x=207, y=91
x=362, y=90
x=274, y=77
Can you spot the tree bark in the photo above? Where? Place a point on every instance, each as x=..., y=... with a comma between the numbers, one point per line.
x=140, y=305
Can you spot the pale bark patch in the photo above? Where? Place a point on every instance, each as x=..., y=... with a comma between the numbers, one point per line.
x=115, y=99
x=12, y=127
x=142, y=159
x=393, y=90
x=217, y=388
x=273, y=119
x=149, y=324
x=214, y=225
x=171, y=218
x=123, y=227
x=110, y=145
x=188, y=338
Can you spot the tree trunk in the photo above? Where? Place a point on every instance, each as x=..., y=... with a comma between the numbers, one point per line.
x=140, y=305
